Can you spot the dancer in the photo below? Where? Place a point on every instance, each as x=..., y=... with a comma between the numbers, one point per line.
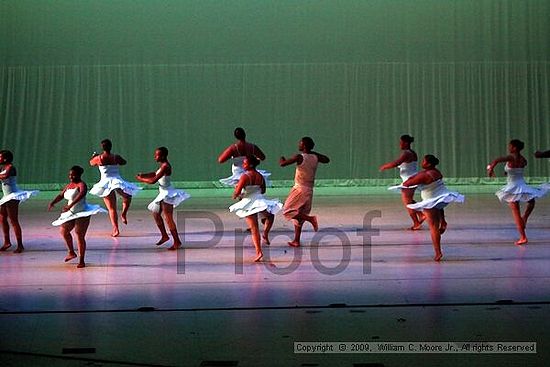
x=111, y=184
x=407, y=163
x=167, y=199
x=298, y=203
x=75, y=215
x=237, y=153
x=250, y=190
x=435, y=197
x=516, y=190
x=9, y=204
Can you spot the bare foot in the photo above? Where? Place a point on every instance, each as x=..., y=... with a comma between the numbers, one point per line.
x=266, y=239
x=258, y=257
x=438, y=257
x=314, y=223
x=115, y=232
x=19, y=250
x=5, y=247
x=415, y=227
x=175, y=246
x=442, y=227
x=162, y=240
x=70, y=256
x=81, y=265
x=294, y=244
x=521, y=241
x=124, y=219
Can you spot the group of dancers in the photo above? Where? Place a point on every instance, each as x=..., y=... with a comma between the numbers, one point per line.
x=435, y=196
x=250, y=186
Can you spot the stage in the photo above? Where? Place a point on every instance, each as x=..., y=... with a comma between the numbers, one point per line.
x=362, y=278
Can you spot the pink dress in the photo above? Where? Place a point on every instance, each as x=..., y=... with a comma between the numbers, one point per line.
x=300, y=198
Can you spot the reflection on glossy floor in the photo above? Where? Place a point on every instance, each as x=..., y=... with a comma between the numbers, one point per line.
x=209, y=305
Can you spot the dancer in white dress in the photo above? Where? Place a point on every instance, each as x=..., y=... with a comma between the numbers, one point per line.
x=250, y=190
x=167, y=199
x=407, y=163
x=297, y=206
x=75, y=215
x=111, y=184
x=516, y=190
x=435, y=197
x=237, y=152
x=9, y=204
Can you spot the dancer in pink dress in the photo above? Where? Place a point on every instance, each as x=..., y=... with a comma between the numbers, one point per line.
x=298, y=203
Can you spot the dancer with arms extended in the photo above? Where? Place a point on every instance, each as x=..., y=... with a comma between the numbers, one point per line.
x=435, y=197
x=75, y=215
x=112, y=184
x=237, y=152
x=9, y=204
x=407, y=162
x=252, y=203
x=297, y=206
x=516, y=190
x=167, y=199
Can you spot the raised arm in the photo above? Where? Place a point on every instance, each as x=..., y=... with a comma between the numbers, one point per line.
x=226, y=154
x=405, y=155
x=491, y=166
x=283, y=162
x=321, y=157
x=119, y=160
x=153, y=177
x=258, y=153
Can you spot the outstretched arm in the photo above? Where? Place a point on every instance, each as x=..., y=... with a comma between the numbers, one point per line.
x=152, y=177
x=421, y=178
x=119, y=160
x=57, y=199
x=226, y=154
x=283, y=162
x=402, y=158
x=491, y=166
x=540, y=154
x=321, y=157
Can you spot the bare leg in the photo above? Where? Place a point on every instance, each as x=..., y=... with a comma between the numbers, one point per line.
x=160, y=224
x=168, y=211
x=407, y=198
x=434, y=220
x=81, y=227
x=528, y=211
x=252, y=222
x=520, y=225
x=5, y=227
x=13, y=214
x=65, y=231
x=126, y=201
x=110, y=203
x=301, y=217
x=297, y=234
x=268, y=223
x=443, y=223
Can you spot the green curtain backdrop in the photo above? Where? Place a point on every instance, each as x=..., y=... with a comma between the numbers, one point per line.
x=463, y=77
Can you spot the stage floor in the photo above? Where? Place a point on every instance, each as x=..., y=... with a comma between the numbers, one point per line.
x=357, y=280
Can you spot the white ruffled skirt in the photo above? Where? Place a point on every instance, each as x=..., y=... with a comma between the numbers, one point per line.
x=87, y=211
x=20, y=196
x=255, y=203
x=106, y=185
x=170, y=196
